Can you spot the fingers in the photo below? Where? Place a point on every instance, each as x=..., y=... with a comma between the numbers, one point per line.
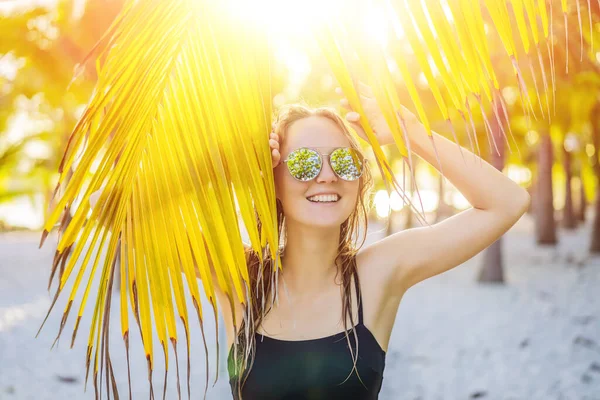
x=274, y=141
x=345, y=103
x=353, y=116
x=274, y=144
x=358, y=128
x=275, y=157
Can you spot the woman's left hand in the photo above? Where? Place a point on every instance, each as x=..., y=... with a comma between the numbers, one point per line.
x=373, y=115
x=274, y=146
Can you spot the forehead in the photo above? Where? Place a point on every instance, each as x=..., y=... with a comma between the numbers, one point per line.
x=314, y=131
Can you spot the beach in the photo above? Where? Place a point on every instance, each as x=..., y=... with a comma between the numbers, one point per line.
x=535, y=337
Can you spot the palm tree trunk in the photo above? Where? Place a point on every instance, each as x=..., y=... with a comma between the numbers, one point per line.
x=581, y=200
x=581, y=209
x=408, y=220
x=595, y=241
x=493, y=266
x=411, y=184
x=545, y=227
x=493, y=262
x=531, y=191
x=389, y=227
x=444, y=210
x=568, y=216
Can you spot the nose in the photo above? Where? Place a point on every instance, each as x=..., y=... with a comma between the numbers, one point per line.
x=326, y=174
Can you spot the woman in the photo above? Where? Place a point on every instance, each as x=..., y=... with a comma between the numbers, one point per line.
x=326, y=336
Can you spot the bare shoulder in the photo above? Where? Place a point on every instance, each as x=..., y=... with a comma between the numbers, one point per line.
x=380, y=305
x=379, y=262
x=381, y=269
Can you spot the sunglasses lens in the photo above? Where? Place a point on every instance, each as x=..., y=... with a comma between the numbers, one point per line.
x=304, y=164
x=346, y=163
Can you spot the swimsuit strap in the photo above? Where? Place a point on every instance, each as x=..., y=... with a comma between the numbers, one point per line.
x=359, y=295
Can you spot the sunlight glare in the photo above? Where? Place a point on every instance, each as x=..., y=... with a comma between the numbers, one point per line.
x=571, y=142
x=430, y=199
x=396, y=202
x=22, y=212
x=510, y=95
x=8, y=7
x=532, y=137
x=459, y=201
x=284, y=17
x=447, y=11
x=589, y=150
x=397, y=27
x=10, y=65
x=382, y=203
x=298, y=65
x=38, y=149
x=375, y=24
x=520, y=175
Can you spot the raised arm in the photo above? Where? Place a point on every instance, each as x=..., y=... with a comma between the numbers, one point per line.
x=413, y=255
x=408, y=257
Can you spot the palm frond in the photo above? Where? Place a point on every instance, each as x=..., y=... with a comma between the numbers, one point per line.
x=169, y=169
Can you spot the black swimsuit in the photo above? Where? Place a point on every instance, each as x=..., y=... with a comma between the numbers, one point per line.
x=314, y=369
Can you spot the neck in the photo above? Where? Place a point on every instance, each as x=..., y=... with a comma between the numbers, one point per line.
x=309, y=258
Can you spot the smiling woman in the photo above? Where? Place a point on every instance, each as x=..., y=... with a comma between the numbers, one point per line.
x=322, y=204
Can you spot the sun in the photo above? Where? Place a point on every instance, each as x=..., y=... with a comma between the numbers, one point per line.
x=284, y=17
x=298, y=19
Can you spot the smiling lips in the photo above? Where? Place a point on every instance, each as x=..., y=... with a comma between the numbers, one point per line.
x=324, y=198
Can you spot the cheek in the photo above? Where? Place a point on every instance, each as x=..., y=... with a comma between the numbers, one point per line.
x=279, y=183
x=353, y=189
x=286, y=185
x=352, y=193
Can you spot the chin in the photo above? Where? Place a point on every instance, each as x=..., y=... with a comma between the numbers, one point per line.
x=323, y=215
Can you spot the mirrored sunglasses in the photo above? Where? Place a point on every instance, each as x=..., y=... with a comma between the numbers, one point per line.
x=306, y=163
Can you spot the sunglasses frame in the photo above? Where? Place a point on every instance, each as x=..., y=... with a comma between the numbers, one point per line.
x=362, y=160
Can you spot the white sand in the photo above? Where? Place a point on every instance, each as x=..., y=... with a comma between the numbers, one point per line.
x=537, y=337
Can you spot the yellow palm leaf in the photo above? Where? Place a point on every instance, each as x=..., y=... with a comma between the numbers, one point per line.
x=532, y=16
x=543, y=13
x=517, y=6
x=411, y=30
x=165, y=141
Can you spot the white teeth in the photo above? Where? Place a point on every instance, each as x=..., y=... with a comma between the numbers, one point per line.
x=325, y=198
